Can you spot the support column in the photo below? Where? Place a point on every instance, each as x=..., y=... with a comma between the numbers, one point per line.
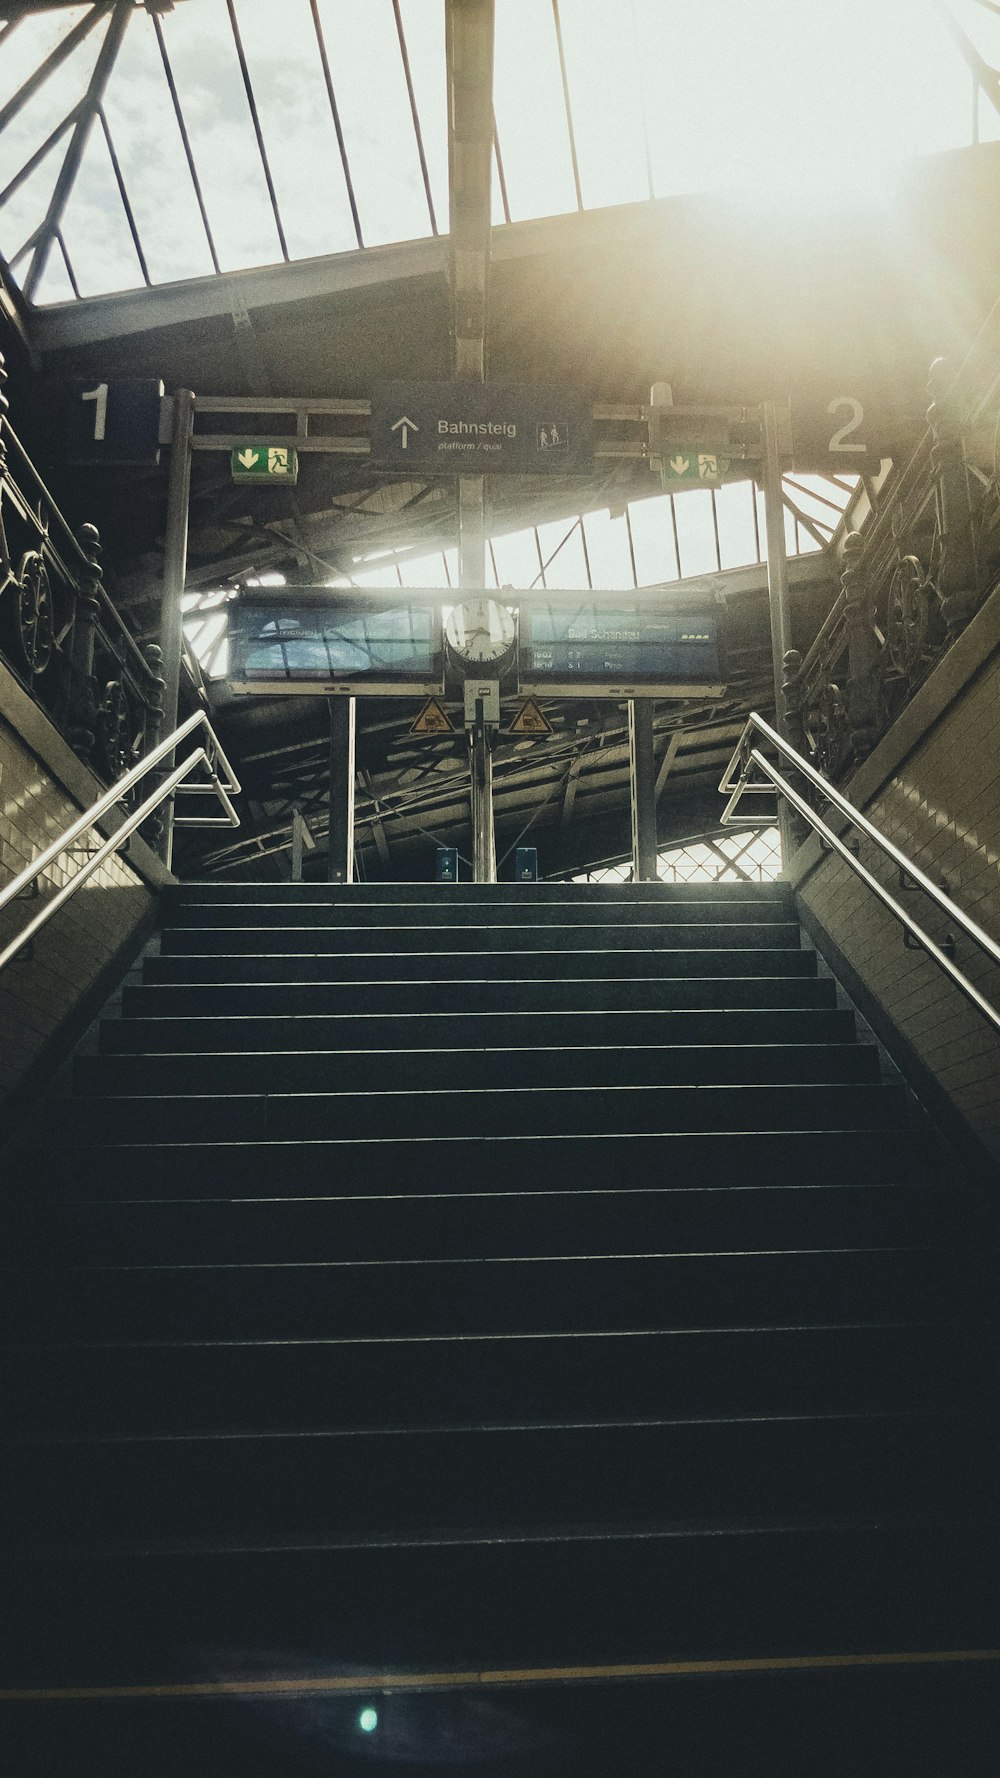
x=340, y=851
x=174, y=573
x=472, y=574
x=484, y=856
x=642, y=784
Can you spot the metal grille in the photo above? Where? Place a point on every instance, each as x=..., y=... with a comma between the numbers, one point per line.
x=750, y=856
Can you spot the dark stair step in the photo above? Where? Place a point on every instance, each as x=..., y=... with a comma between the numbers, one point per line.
x=918, y=1718
x=524, y=1163
x=275, y=965
x=433, y=1297
x=192, y=1387
x=412, y=994
x=312, y=1033
x=391, y=1482
x=363, y=895
x=497, y=1111
x=427, y=1069
x=754, y=1591
x=194, y=940
x=494, y=922
x=613, y=935
x=502, y=1224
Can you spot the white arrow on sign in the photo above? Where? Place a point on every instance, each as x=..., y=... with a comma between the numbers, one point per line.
x=680, y=464
x=405, y=422
x=247, y=458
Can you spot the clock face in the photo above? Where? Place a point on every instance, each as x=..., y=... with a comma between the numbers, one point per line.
x=481, y=631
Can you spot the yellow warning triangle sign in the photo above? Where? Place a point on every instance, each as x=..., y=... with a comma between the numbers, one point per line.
x=432, y=720
x=530, y=721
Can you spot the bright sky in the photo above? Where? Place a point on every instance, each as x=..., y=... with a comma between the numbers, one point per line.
x=814, y=99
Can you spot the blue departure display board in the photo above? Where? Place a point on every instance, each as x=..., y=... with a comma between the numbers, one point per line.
x=612, y=647
x=324, y=639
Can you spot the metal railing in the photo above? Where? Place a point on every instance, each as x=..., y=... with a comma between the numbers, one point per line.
x=222, y=783
x=737, y=782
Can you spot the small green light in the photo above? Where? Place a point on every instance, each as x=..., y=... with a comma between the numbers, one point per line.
x=368, y=1720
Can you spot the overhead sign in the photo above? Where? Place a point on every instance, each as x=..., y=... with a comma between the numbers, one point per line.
x=117, y=424
x=264, y=463
x=433, y=719
x=530, y=720
x=699, y=469
x=848, y=435
x=579, y=645
x=308, y=640
x=460, y=428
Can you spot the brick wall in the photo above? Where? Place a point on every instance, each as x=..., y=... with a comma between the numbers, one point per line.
x=39, y=992
x=934, y=790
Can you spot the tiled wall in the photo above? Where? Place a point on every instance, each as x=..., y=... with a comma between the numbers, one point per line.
x=940, y=806
x=37, y=994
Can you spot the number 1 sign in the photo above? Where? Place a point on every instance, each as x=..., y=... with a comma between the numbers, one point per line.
x=114, y=423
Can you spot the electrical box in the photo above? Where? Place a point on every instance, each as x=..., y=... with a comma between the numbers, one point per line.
x=526, y=864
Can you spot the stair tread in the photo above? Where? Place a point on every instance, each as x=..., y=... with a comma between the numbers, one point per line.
x=296, y=1351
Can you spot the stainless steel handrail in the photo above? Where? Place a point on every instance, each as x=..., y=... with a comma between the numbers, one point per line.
x=736, y=783
x=225, y=787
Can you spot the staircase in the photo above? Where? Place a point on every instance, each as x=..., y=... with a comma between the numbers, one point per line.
x=526, y=1280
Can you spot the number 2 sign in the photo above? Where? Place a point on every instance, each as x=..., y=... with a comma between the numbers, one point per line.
x=842, y=439
x=849, y=436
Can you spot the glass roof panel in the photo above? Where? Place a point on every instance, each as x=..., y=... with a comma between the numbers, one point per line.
x=55, y=286
x=32, y=124
x=696, y=533
x=608, y=551
x=35, y=38
x=96, y=234
x=562, y=553
x=658, y=94
x=423, y=28
x=25, y=209
x=203, y=57
x=370, y=84
x=517, y=558
x=609, y=126
x=653, y=540
x=530, y=113
x=148, y=143
x=738, y=541
x=286, y=74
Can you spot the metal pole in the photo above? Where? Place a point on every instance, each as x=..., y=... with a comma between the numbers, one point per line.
x=472, y=574
x=297, y=826
x=777, y=592
x=340, y=850
x=642, y=783
x=484, y=856
x=777, y=560
x=174, y=572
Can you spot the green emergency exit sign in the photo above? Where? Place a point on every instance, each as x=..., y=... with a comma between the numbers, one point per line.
x=264, y=463
x=693, y=469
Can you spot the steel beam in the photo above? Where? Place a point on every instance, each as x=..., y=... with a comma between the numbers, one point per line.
x=174, y=573
x=52, y=61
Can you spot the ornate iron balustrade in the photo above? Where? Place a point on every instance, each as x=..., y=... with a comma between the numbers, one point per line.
x=927, y=558
x=60, y=635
